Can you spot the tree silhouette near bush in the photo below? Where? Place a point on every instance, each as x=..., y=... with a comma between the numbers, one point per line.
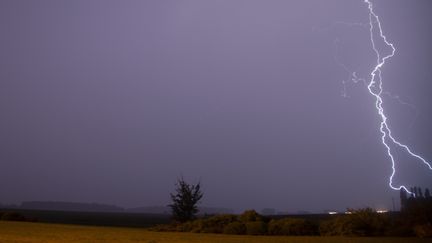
x=184, y=200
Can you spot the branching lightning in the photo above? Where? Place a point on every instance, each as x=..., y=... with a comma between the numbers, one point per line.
x=403, y=102
x=375, y=88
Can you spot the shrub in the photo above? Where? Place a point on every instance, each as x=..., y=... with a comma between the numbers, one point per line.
x=275, y=227
x=185, y=227
x=215, y=224
x=250, y=216
x=335, y=226
x=256, y=228
x=363, y=222
x=423, y=231
x=235, y=228
x=292, y=226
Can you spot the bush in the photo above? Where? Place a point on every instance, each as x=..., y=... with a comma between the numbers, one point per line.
x=185, y=227
x=250, y=216
x=256, y=228
x=215, y=224
x=363, y=222
x=335, y=226
x=423, y=231
x=292, y=226
x=235, y=228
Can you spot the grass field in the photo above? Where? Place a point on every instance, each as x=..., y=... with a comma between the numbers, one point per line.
x=115, y=219
x=40, y=232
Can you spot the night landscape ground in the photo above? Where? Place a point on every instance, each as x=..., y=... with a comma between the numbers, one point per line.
x=215, y=121
x=39, y=232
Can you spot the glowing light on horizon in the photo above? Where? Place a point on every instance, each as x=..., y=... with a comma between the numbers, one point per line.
x=375, y=88
x=382, y=211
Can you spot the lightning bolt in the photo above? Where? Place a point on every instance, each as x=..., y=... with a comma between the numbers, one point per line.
x=405, y=103
x=352, y=76
x=375, y=88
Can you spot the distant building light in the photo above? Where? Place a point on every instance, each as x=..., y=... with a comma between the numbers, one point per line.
x=348, y=212
x=382, y=211
x=332, y=212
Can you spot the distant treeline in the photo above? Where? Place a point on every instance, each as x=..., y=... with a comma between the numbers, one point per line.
x=70, y=206
x=98, y=207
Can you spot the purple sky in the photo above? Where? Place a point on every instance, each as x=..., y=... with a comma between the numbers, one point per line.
x=111, y=101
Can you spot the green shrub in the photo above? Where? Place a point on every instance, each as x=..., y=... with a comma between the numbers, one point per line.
x=250, y=216
x=185, y=227
x=423, y=231
x=235, y=228
x=195, y=226
x=275, y=227
x=363, y=222
x=292, y=226
x=335, y=226
x=256, y=228
x=214, y=224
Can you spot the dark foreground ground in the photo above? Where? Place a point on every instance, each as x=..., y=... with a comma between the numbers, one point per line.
x=93, y=218
x=18, y=232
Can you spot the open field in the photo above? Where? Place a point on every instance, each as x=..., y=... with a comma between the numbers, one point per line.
x=40, y=232
x=115, y=219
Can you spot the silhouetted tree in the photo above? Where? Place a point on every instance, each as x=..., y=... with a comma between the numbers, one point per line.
x=185, y=200
x=420, y=193
x=403, y=198
x=427, y=193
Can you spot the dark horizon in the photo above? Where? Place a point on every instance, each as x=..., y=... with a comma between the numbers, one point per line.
x=112, y=101
x=157, y=209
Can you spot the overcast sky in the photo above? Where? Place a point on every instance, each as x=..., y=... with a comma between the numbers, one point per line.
x=111, y=101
